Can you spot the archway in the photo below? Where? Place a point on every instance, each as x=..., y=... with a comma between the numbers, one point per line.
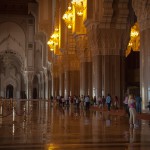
x=9, y=91
x=35, y=93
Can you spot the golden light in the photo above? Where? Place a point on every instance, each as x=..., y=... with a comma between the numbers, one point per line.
x=134, y=33
x=68, y=17
x=130, y=44
x=134, y=43
x=52, y=147
x=53, y=42
x=80, y=6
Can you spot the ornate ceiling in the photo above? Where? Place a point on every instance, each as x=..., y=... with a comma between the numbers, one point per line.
x=14, y=6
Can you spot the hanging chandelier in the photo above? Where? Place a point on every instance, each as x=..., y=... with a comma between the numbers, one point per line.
x=68, y=17
x=134, y=43
x=80, y=6
x=53, y=42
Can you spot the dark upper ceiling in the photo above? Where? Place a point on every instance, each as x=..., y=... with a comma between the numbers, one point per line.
x=19, y=7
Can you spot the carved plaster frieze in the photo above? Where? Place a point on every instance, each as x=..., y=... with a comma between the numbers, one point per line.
x=82, y=50
x=95, y=36
x=30, y=75
x=33, y=9
x=85, y=56
x=107, y=13
x=142, y=11
x=74, y=65
x=81, y=42
x=104, y=41
x=122, y=12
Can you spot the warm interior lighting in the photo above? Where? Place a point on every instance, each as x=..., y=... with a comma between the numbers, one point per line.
x=68, y=17
x=53, y=42
x=80, y=6
x=52, y=147
x=134, y=33
x=134, y=43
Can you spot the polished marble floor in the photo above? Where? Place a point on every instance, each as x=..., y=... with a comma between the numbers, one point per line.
x=36, y=125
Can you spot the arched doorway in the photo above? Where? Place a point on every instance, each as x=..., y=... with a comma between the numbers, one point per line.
x=9, y=91
x=35, y=88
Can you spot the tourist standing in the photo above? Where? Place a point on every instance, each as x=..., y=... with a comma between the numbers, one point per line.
x=116, y=103
x=108, y=101
x=132, y=110
x=138, y=103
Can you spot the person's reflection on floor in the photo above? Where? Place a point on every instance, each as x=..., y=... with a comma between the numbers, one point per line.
x=108, y=122
x=132, y=132
x=87, y=118
x=132, y=135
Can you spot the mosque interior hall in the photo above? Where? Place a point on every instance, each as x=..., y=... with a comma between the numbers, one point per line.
x=70, y=49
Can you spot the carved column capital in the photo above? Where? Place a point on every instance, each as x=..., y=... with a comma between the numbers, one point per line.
x=30, y=75
x=104, y=41
x=81, y=42
x=74, y=65
x=142, y=11
x=83, y=52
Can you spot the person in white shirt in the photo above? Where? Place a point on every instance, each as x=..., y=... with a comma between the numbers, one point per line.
x=132, y=110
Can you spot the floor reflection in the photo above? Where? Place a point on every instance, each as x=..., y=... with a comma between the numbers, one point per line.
x=39, y=125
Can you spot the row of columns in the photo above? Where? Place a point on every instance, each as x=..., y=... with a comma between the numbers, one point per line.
x=104, y=72
x=42, y=85
x=99, y=73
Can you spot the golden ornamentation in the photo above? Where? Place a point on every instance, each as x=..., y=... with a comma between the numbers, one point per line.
x=80, y=6
x=54, y=40
x=68, y=17
x=134, y=43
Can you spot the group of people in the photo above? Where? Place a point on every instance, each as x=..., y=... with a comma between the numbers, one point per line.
x=132, y=104
x=87, y=101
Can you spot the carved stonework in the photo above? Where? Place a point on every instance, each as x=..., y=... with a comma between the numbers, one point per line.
x=122, y=12
x=30, y=76
x=104, y=41
x=83, y=52
x=74, y=65
x=81, y=42
x=142, y=11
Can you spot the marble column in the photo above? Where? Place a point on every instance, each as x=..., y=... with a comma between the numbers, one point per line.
x=30, y=84
x=111, y=75
x=3, y=94
x=74, y=82
x=97, y=75
x=105, y=45
x=52, y=87
x=66, y=83
x=84, y=54
x=55, y=85
x=56, y=79
x=42, y=85
x=142, y=9
x=49, y=86
x=46, y=84
x=86, y=78
x=61, y=84
x=83, y=79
